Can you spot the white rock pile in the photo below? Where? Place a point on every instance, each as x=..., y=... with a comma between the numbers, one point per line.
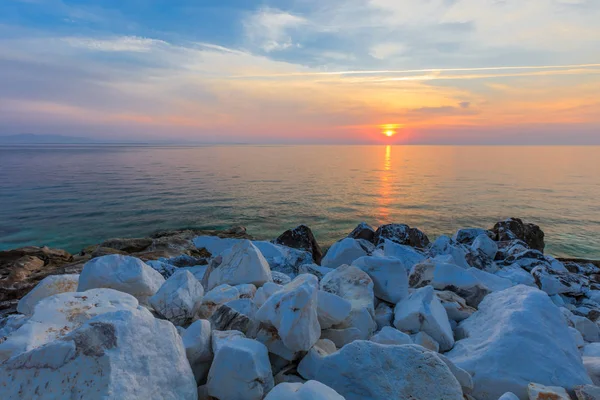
x=481, y=315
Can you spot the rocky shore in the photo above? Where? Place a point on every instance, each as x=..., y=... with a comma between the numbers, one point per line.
x=382, y=314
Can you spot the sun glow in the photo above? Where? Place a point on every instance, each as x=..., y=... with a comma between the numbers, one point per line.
x=389, y=130
x=389, y=133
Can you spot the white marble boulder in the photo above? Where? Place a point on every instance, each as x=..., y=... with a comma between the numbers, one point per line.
x=242, y=263
x=389, y=275
x=406, y=254
x=197, y=341
x=237, y=315
x=443, y=276
x=541, y=392
x=126, y=354
x=177, y=297
x=264, y=292
x=346, y=251
x=293, y=312
x=384, y=315
x=58, y=315
x=331, y=309
x=215, y=299
x=516, y=337
x=423, y=311
x=50, y=285
x=410, y=372
x=123, y=273
x=311, y=390
x=486, y=245
x=240, y=370
x=391, y=336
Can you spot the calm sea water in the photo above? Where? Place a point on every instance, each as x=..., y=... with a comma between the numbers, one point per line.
x=73, y=196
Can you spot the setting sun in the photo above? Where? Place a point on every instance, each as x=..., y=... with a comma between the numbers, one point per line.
x=389, y=130
x=389, y=133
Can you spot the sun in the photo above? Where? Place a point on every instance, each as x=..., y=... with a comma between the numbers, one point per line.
x=389, y=133
x=390, y=130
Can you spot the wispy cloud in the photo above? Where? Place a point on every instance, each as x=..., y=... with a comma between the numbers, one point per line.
x=271, y=29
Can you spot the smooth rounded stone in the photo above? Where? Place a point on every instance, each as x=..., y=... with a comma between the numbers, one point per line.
x=246, y=290
x=280, y=278
x=311, y=390
x=198, y=348
x=50, y=285
x=423, y=339
x=311, y=362
x=389, y=335
x=589, y=330
x=264, y=292
x=215, y=299
x=58, y=315
x=422, y=311
x=219, y=338
x=331, y=309
x=384, y=314
x=449, y=277
x=243, y=263
x=509, y=396
x=516, y=337
x=517, y=275
x=448, y=251
x=293, y=312
x=346, y=251
x=363, y=231
x=541, y=392
x=494, y=283
x=342, y=336
x=315, y=270
x=587, y=392
x=127, y=354
x=401, y=234
x=410, y=372
x=468, y=235
x=406, y=254
x=176, y=298
x=240, y=370
x=486, y=245
x=123, y=273
x=301, y=238
x=389, y=275
x=577, y=337
x=456, y=307
x=555, y=283
x=236, y=315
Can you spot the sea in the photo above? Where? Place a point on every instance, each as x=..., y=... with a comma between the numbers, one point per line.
x=72, y=196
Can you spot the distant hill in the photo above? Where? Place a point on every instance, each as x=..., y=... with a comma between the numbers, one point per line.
x=30, y=138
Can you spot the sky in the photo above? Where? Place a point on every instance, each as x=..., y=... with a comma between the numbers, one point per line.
x=303, y=71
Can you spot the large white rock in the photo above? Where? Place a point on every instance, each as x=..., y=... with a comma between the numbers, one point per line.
x=486, y=245
x=220, y=338
x=456, y=307
x=264, y=292
x=516, y=337
x=176, y=298
x=451, y=277
x=422, y=311
x=354, y=285
x=215, y=299
x=123, y=273
x=293, y=312
x=241, y=371
x=311, y=390
x=331, y=309
x=455, y=253
x=58, y=315
x=553, y=283
x=243, y=263
x=126, y=355
x=389, y=275
x=406, y=254
x=588, y=329
x=346, y=251
x=517, y=275
x=389, y=335
x=409, y=372
x=311, y=362
x=50, y=285
x=239, y=315
x=197, y=341
x=493, y=282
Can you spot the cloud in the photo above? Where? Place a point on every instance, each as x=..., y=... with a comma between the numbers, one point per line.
x=116, y=44
x=271, y=29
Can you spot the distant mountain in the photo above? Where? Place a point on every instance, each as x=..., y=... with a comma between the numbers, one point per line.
x=31, y=138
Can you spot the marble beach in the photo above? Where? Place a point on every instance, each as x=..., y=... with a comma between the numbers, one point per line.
x=384, y=313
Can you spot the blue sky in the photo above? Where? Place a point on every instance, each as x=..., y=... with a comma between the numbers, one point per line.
x=303, y=71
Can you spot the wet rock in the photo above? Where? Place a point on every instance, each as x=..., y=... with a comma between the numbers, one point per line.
x=127, y=245
x=302, y=238
x=363, y=231
x=123, y=273
x=241, y=371
x=410, y=372
x=515, y=228
x=423, y=311
x=49, y=286
x=401, y=234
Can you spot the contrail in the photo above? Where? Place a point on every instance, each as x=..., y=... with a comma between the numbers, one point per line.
x=410, y=71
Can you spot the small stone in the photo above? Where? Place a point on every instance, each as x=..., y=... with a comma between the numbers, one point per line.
x=391, y=336
x=541, y=392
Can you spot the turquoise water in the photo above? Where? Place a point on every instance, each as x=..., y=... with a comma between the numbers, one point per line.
x=73, y=196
